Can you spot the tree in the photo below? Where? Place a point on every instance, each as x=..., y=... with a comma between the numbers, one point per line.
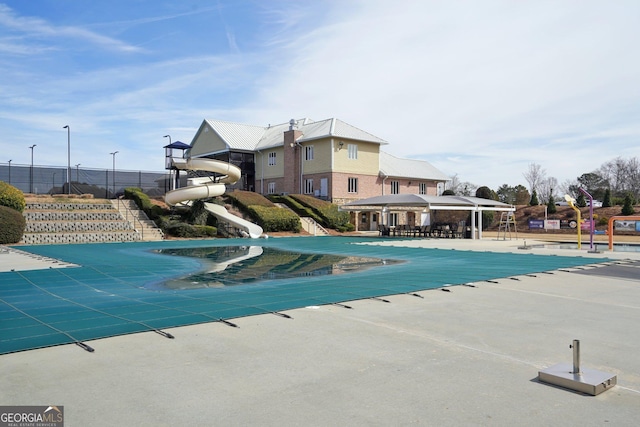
x=593, y=183
x=534, y=176
x=580, y=201
x=522, y=195
x=485, y=192
x=606, y=200
x=546, y=187
x=627, y=208
x=518, y=195
x=534, y=199
x=623, y=176
x=551, y=204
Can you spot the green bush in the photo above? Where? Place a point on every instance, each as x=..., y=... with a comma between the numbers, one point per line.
x=330, y=216
x=244, y=199
x=181, y=229
x=275, y=219
x=11, y=197
x=13, y=225
x=627, y=208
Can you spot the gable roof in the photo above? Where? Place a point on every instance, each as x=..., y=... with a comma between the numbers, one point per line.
x=251, y=138
x=392, y=166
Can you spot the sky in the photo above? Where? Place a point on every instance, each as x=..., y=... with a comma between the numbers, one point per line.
x=480, y=89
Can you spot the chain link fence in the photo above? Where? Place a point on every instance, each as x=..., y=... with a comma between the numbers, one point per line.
x=102, y=183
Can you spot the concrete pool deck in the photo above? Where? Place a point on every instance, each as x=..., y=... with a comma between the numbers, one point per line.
x=470, y=356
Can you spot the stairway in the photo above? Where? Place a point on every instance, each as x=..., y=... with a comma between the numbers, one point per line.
x=80, y=222
x=308, y=224
x=138, y=219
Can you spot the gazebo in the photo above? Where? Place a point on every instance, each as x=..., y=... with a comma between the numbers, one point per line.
x=426, y=204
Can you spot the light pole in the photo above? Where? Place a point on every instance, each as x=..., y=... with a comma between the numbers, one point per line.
x=10, y=171
x=31, y=170
x=68, y=158
x=78, y=173
x=114, y=172
x=168, y=165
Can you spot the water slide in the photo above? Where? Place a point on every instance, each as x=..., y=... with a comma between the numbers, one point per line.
x=205, y=187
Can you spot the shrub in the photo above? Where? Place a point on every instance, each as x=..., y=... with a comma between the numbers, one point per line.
x=137, y=195
x=275, y=219
x=244, y=199
x=627, y=208
x=13, y=225
x=11, y=197
x=181, y=229
x=330, y=215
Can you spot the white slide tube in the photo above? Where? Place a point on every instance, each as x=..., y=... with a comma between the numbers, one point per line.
x=203, y=188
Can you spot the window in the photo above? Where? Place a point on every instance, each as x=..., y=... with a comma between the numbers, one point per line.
x=308, y=186
x=352, y=185
x=308, y=152
x=393, y=219
x=353, y=151
x=423, y=188
x=271, y=188
x=272, y=158
x=395, y=187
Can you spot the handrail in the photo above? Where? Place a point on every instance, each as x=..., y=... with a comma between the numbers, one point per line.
x=127, y=211
x=610, y=226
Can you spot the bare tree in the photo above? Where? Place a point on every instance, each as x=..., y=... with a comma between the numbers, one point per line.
x=535, y=176
x=546, y=187
x=622, y=175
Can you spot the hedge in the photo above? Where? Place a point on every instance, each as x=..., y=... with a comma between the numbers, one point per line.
x=275, y=218
x=13, y=225
x=11, y=197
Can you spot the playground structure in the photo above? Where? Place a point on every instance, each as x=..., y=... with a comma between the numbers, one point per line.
x=209, y=186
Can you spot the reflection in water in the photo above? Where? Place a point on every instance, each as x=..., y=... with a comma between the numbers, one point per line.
x=239, y=265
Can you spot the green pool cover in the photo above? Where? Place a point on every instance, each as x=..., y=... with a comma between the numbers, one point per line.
x=113, y=292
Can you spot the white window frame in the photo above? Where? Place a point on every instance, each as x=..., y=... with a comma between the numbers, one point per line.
x=272, y=158
x=308, y=186
x=271, y=188
x=352, y=185
x=395, y=187
x=308, y=152
x=423, y=187
x=393, y=219
x=352, y=151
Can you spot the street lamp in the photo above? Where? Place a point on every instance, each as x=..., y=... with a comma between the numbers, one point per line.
x=68, y=158
x=31, y=170
x=10, y=171
x=114, y=172
x=168, y=136
x=78, y=173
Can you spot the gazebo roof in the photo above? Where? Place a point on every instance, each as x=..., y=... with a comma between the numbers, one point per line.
x=430, y=202
x=178, y=145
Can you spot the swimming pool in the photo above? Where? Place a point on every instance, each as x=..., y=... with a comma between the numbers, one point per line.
x=110, y=293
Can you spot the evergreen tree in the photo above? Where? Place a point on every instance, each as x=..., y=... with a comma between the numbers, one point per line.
x=534, y=199
x=627, y=208
x=580, y=201
x=606, y=201
x=551, y=204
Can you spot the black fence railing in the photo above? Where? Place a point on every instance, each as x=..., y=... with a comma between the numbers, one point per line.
x=102, y=183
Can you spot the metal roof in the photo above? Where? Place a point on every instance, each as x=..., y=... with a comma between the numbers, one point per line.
x=239, y=136
x=431, y=202
x=392, y=166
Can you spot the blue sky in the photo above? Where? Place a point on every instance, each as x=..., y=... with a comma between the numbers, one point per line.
x=480, y=89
